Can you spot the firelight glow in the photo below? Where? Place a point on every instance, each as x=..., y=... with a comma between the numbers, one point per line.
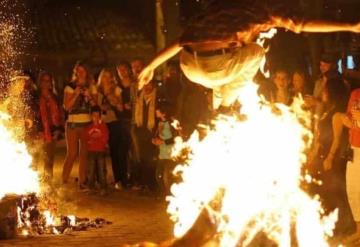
x=246, y=174
x=17, y=176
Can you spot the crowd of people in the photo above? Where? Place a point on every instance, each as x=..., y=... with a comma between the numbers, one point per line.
x=110, y=115
x=106, y=114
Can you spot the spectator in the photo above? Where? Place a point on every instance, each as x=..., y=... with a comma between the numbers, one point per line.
x=137, y=66
x=145, y=124
x=97, y=136
x=327, y=64
x=333, y=188
x=353, y=168
x=164, y=139
x=111, y=104
x=128, y=88
x=171, y=87
x=77, y=103
x=128, y=92
x=52, y=119
x=300, y=84
x=327, y=69
x=281, y=91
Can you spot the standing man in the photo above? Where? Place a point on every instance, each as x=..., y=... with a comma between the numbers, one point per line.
x=137, y=65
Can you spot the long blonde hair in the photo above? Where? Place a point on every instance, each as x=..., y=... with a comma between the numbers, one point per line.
x=100, y=79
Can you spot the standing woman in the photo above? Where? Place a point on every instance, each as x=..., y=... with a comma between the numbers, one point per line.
x=299, y=84
x=52, y=120
x=112, y=107
x=332, y=174
x=77, y=102
x=281, y=92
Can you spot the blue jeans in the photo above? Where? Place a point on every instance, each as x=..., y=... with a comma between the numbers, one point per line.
x=97, y=169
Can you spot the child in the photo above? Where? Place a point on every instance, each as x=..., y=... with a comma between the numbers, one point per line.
x=164, y=139
x=97, y=136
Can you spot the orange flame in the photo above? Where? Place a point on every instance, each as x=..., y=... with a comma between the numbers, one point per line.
x=254, y=167
x=17, y=177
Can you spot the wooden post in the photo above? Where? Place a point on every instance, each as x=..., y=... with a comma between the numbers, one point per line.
x=160, y=35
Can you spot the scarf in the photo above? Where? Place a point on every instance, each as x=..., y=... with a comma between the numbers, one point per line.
x=150, y=100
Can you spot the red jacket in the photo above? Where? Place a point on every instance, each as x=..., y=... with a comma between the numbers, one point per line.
x=52, y=116
x=97, y=137
x=354, y=132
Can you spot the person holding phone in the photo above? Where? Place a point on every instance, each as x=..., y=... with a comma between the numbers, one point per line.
x=78, y=100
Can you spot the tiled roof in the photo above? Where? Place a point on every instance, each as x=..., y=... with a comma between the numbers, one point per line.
x=81, y=28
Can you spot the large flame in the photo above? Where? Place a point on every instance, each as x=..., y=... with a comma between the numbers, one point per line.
x=251, y=170
x=17, y=176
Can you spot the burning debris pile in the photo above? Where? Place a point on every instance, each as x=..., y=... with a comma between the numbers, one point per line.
x=33, y=220
x=25, y=215
x=24, y=210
